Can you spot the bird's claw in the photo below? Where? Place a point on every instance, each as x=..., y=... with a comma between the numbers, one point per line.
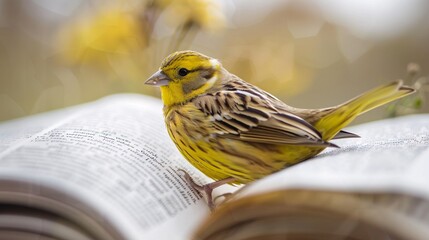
x=206, y=190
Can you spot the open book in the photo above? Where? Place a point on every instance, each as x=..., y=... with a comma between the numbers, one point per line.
x=108, y=170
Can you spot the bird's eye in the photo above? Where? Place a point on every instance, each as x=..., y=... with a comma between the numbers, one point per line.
x=183, y=72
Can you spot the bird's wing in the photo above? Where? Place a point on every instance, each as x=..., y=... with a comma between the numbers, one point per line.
x=250, y=117
x=344, y=134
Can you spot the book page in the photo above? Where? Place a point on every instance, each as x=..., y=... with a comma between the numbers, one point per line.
x=117, y=156
x=30, y=224
x=315, y=213
x=392, y=155
x=14, y=131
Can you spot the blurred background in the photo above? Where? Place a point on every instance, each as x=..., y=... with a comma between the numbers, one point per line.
x=309, y=53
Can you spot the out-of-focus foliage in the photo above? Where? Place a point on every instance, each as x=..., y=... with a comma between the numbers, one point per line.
x=205, y=14
x=111, y=31
x=125, y=27
x=124, y=40
x=413, y=103
x=271, y=65
x=311, y=53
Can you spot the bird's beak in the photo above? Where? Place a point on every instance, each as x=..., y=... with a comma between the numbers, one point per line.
x=158, y=79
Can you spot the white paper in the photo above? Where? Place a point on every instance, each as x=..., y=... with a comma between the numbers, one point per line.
x=392, y=155
x=15, y=131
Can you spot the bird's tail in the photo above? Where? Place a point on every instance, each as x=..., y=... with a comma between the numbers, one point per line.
x=343, y=114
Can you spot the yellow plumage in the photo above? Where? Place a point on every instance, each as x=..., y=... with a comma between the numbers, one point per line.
x=228, y=128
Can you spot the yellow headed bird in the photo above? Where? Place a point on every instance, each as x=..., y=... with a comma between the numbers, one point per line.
x=235, y=132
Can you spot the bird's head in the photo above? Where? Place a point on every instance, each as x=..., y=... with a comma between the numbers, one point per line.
x=185, y=75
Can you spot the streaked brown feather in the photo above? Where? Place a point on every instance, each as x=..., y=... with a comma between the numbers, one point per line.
x=250, y=114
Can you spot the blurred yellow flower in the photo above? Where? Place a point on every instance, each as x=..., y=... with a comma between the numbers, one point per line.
x=111, y=31
x=118, y=41
x=206, y=14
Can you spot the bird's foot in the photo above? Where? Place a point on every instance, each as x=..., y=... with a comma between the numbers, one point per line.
x=206, y=190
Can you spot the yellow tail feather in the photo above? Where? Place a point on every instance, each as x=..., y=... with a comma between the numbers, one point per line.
x=342, y=115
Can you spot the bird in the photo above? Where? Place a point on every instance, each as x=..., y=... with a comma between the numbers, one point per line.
x=235, y=132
